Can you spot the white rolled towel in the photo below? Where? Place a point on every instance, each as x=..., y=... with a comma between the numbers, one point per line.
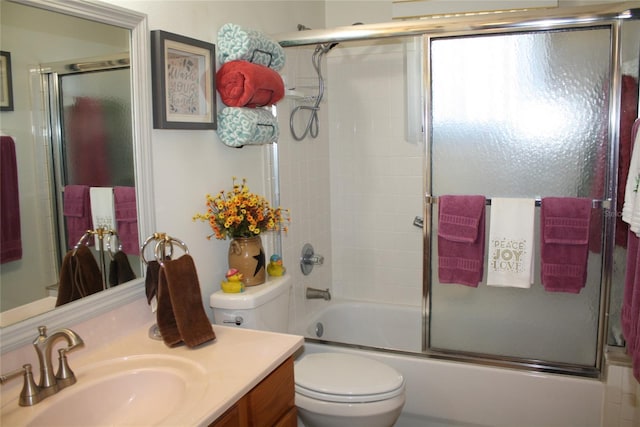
x=238, y=43
x=239, y=126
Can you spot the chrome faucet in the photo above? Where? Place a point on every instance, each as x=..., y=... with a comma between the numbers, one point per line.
x=313, y=293
x=49, y=383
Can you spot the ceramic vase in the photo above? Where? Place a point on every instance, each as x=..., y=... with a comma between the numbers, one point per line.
x=247, y=255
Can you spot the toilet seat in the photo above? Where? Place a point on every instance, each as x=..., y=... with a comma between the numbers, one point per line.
x=346, y=378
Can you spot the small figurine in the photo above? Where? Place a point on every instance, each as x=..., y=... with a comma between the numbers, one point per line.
x=233, y=283
x=275, y=267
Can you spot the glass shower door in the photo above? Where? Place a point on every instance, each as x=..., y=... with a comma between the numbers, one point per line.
x=521, y=115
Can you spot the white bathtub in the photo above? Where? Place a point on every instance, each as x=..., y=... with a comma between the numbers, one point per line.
x=444, y=393
x=369, y=324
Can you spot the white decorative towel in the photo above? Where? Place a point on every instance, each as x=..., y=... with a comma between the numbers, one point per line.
x=511, y=243
x=631, y=206
x=102, y=209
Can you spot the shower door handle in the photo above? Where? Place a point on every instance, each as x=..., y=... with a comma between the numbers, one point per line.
x=418, y=221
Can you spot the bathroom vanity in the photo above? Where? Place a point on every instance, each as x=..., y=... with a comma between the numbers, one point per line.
x=269, y=404
x=244, y=377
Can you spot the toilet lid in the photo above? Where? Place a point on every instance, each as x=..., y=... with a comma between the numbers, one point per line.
x=339, y=377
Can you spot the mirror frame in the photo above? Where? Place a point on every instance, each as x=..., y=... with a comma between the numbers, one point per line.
x=22, y=333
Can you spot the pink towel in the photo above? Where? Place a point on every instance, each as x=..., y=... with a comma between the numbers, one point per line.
x=461, y=237
x=628, y=114
x=77, y=213
x=631, y=295
x=10, y=234
x=630, y=316
x=127, y=219
x=564, y=246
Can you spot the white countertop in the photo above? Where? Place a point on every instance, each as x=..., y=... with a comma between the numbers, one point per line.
x=228, y=368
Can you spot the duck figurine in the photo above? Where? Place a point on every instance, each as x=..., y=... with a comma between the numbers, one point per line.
x=275, y=267
x=233, y=283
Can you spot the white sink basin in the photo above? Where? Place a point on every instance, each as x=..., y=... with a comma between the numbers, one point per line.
x=137, y=390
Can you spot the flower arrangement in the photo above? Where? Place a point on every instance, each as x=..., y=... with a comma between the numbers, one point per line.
x=240, y=213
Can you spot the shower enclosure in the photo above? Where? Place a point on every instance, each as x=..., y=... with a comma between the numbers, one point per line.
x=529, y=107
x=89, y=112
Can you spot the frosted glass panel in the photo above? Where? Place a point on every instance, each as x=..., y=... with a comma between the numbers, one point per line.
x=97, y=143
x=519, y=115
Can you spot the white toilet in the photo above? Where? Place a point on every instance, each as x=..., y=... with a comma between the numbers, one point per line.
x=332, y=389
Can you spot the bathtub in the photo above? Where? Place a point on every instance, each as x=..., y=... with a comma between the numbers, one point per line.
x=387, y=326
x=446, y=393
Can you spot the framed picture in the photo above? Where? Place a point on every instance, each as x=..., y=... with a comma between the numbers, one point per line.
x=183, y=79
x=6, y=84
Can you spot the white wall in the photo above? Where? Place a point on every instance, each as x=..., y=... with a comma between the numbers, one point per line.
x=189, y=164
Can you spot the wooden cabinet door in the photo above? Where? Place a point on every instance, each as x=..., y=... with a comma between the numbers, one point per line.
x=270, y=404
x=273, y=397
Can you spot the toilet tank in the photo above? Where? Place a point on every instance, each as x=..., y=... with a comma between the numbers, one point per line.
x=264, y=307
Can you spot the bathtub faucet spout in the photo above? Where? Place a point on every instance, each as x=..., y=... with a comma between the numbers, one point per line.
x=313, y=293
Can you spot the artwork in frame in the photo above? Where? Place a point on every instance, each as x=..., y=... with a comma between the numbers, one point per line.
x=183, y=79
x=6, y=84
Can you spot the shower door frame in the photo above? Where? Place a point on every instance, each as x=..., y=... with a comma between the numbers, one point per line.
x=609, y=202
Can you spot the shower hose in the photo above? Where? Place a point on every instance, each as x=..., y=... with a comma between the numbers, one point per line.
x=311, y=127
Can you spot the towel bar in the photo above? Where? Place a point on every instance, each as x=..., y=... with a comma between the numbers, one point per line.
x=596, y=203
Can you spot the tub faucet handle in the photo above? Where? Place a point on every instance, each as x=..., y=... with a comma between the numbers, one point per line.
x=308, y=258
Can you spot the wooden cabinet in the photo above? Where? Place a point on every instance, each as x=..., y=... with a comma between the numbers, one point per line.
x=269, y=404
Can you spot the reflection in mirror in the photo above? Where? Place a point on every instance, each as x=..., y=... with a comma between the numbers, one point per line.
x=90, y=130
x=93, y=174
x=41, y=35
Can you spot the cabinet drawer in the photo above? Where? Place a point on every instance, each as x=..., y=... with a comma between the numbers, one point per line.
x=273, y=397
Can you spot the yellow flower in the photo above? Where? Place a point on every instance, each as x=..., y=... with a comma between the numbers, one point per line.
x=240, y=213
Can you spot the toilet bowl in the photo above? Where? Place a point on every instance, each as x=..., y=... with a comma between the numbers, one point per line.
x=332, y=389
x=337, y=389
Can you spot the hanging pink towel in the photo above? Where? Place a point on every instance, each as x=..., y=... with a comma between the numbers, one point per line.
x=127, y=219
x=461, y=237
x=77, y=213
x=630, y=314
x=564, y=246
x=10, y=234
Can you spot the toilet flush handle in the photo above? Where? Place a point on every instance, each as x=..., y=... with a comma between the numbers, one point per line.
x=237, y=321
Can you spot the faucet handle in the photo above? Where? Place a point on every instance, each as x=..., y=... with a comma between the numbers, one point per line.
x=65, y=376
x=30, y=394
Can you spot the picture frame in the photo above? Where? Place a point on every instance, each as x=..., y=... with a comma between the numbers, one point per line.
x=183, y=82
x=6, y=82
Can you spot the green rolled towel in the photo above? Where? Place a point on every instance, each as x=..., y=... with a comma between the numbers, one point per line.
x=239, y=126
x=238, y=43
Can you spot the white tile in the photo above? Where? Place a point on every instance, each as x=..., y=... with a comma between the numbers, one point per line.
x=611, y=416
x=628, y=406
x=629, y=383
x=614, y=384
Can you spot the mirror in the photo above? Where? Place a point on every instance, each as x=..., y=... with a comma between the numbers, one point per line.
x=135, y=24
